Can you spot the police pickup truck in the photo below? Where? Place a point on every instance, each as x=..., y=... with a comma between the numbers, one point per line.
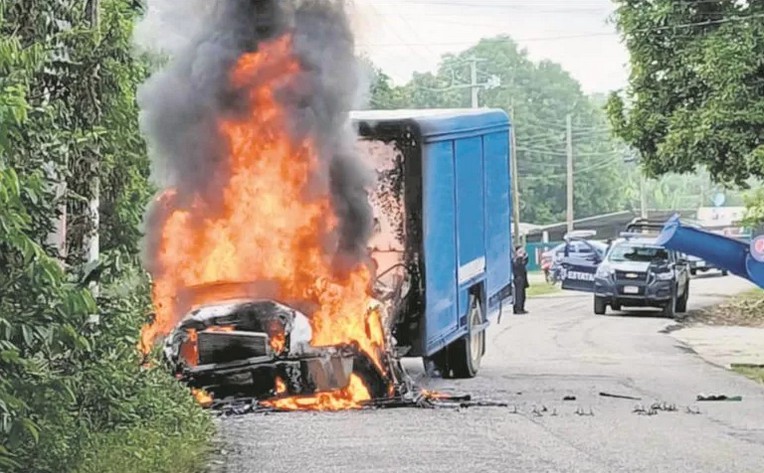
x=637, y=272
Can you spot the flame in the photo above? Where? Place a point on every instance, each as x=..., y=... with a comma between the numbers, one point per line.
x=277, y=342
x=220, y=328
x=272, y=220
x=280, y=386
x=351, y=397
x=202, y=397
x=189, y=349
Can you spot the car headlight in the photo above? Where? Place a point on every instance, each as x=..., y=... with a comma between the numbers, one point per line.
x=604, y=272
x=665, y=276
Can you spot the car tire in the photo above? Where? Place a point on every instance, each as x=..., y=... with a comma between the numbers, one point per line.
x=669, y=308
x=681, y=303
x=436, y=366
x=600, y=305
x=464, y=355
x=725, y=273
x=693, y=272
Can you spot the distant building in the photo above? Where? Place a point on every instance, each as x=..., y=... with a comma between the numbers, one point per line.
x=606, y=225
x=724, y=220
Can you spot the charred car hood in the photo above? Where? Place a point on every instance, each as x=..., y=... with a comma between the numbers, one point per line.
x=228, y=349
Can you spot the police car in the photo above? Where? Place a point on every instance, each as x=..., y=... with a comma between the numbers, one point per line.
x=636, y=272
x=578, y=259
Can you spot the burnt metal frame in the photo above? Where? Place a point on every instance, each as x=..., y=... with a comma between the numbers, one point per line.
x=409, y=326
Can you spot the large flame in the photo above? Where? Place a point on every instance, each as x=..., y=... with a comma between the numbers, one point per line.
x=272, y=221
x=351, y=397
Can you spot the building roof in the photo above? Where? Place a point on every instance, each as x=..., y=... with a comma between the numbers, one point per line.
x=613, y=218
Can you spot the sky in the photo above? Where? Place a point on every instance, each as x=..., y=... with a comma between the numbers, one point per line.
x=404, y=36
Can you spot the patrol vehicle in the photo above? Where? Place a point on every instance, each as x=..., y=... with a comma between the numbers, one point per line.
x=638, y=272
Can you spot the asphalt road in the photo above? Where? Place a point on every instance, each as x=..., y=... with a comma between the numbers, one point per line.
x=533, y=361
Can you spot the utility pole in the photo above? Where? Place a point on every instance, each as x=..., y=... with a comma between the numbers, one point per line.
x=492, y=82
x=92, y=241
x=570, y=171
x=514, y=176
x=474, y=85
x=642, y=196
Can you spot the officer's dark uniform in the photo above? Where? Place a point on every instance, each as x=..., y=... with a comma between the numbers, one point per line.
x=520, y=272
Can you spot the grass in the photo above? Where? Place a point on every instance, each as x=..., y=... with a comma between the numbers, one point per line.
x=755, y=373
x=147, y=449
x=745, y=310
x=541, y=289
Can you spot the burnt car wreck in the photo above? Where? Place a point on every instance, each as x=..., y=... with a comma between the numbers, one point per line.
x=253, y=348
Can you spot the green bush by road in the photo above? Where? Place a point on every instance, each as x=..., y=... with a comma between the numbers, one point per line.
x=73, y=395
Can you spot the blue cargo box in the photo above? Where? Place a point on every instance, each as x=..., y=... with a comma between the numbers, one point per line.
x=442, y=214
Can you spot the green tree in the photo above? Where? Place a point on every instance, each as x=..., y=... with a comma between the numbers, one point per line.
x=696, y=92
x=541, y=96
x=382, y=94
x=73, y=396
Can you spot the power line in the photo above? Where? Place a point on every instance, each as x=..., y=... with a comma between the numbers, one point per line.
x=595, y=167
x=733, y=19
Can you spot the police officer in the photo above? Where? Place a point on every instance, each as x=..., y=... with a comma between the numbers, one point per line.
x=520, y=271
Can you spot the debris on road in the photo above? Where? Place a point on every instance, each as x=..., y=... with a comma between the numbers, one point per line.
x=580, y=412
x=620, y=396
x=569, y=398
x=662, y=406
x=719, y=397
x=640, y=410
x=658, y=407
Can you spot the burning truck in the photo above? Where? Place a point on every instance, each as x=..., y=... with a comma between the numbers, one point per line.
x=284, y=267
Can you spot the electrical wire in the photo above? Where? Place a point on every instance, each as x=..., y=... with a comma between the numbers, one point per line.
x=732, y=19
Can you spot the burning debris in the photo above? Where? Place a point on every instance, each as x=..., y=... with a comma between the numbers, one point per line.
x=257, y=242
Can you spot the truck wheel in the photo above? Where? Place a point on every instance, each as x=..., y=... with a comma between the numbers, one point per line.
x=465, y=354
x=681, y=304
x=600, y=307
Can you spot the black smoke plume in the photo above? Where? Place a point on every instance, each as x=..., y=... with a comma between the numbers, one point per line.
x=200, y=41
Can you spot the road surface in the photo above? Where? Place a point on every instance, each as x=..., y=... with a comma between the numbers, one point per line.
x=560, y=349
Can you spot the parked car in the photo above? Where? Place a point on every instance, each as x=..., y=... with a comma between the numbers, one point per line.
x=246, y=347
x=575, y=248
x=698, y=265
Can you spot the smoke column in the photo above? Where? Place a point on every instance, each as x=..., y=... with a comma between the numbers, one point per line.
x=183, y=102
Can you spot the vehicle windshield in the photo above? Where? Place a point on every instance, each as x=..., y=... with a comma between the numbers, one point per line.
x=640, y=253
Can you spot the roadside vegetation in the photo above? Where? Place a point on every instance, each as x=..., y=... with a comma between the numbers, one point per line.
x=73, y=395
x=694, y=100
x=745, y=310
x=541, y=288
x=755, y=373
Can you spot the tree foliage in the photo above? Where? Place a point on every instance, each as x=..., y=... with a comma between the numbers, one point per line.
x=540, y=96
x=696, y=92
x=72, y=391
